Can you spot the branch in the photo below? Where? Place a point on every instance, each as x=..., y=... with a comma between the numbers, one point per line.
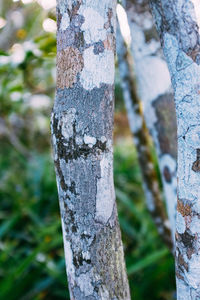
x=142, y=142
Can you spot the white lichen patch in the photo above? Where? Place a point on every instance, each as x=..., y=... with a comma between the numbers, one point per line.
x=192, y=137
x=85, y=283
x=190, y=116
x=65, y=22
x=196, y=12
x=68, y=257
x=66, y=122
x=103, y=139
x=105, y=196
x=183, y=290
x=97, y=68
x=169, y=161
x=167, y=224
x=62, y=6
x=170, y=187
x=180, y=223
x=54, y=141
x=137, y=122
x=93, y=27
x=89, y=140
x=171, y=51
x=149, y=198
x=101, y=7
x=79, y=140
x=170, y=191
x=195, y=225
x=86, y=255
x=134, y=122
x=154, y=78
x=193, y=275
x=139, y=45
x=196, y=206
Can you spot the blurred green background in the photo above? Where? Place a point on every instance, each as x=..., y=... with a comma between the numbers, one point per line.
x=31, y=249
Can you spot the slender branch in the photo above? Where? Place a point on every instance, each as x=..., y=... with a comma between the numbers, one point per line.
x=6, y=130
x=178, y=25
x=82, y=125
x=155, y=91
x=141, y=137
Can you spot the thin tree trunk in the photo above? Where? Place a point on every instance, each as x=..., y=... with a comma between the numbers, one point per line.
x=178, y=25
x=154, y=89
x=142, y=141
x=82, y=125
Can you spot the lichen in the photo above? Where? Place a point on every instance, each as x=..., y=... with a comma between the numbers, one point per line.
x=97, y=68
x=105, y=197
x=93, y=27
x=65, y=21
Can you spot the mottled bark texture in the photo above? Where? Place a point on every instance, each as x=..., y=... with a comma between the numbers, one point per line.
x=154, y=89
x=141, y=139
x=178, y=26
x=82, y=124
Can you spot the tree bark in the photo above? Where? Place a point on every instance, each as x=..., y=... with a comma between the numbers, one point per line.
x=141, y=139
x=155, y=92
x=82, y=125
x=178, y=25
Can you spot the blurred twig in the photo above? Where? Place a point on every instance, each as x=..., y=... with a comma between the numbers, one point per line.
x=6, y=130
x=15, y=18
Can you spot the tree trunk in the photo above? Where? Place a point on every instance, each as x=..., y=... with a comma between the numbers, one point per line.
x=141, y=139
x=178, y=26
x=154, y=89
x=82, y=125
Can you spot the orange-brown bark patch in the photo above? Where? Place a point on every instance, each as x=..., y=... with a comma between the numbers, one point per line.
x=109, y=43
x=69, y=64
x=184, y=209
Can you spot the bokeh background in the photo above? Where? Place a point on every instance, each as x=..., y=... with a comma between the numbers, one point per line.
x=31, y=250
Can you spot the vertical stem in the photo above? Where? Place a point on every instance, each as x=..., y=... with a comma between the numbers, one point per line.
x=154, y=89
x=142, y=141
x=82, y=125
x=178, y=25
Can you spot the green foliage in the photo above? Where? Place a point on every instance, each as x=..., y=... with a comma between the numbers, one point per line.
x=31, y=239
x=150, y=265
x=32, y=257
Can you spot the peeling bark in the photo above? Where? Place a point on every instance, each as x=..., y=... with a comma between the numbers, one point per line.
x=178, y=25
x=141, y=139
x=154, y=89
x=82, y=125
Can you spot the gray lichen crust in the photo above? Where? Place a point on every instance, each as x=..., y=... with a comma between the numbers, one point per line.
x=82, y=124
x=178, y=25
